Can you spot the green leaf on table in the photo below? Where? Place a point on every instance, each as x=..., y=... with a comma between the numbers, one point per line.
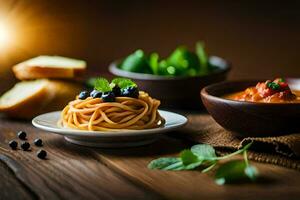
x=167, y=163
x=186, y=161
x=188, y=157
x=204, y=151
x=102, y=84
x=243, y=149
x=234, y=171
x=204, y=156
x=190, y=160
x=212, y=164
x=251, y=172
x=176, y=166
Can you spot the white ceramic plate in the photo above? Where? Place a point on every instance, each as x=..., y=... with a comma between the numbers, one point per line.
x=125, y=138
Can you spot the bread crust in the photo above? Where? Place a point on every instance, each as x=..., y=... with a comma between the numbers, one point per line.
x=27, y=107
x=24, y=72
x=51, y=97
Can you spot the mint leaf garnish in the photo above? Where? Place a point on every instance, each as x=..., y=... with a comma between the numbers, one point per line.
x=204, y=155
x=235, y=171
x=163, y=163
x=204, y=151
x=102, y=85
x=123, y=83
x=212, y=165
x=251, y=172
x=188, y=157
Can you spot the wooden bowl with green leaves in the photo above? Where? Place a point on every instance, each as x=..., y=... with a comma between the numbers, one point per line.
x=176, y=80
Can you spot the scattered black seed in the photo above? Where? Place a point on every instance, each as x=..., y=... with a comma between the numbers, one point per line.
x=13, y=144
x=96, y=94
x=38, y=142
x=108, y=97
x=25, y=146
x=22, y=135
x=83, y=95
x=41, y=154
x=130, y=92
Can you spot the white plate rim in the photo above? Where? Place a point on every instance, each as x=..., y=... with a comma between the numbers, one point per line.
x=80, y=133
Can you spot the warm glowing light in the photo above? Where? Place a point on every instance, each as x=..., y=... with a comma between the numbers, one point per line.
x=5, y=35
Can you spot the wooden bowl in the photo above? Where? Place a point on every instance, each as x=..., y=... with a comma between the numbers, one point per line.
x=249, y=118
x=175, y=92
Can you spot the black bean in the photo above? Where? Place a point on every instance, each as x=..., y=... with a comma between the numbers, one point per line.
x=22, y=135
x=13, y=144
x=38, y=142
x=41, y=154
x=25, y=146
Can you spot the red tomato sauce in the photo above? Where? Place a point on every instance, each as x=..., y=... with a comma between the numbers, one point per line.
x=277, y=91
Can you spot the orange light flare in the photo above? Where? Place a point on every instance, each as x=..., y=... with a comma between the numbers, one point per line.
x=6, y=36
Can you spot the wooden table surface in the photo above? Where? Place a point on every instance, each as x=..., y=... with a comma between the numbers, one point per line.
x=76, y=172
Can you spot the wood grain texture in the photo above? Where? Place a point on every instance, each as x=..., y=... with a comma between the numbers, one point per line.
x=275, y=181
x=70, y=172
x=75, y=172
x=11, y=186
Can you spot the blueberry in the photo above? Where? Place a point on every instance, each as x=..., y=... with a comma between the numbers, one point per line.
x=130, y=92
x=83, y=95
x=38, y=142
x=25, y=146
x=96, y=94
x=13, y=144
x=117, y=91
x=108, y=97
x=22, y=135
x=41, y=154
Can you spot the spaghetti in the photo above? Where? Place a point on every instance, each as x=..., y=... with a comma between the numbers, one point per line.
x=125, y=113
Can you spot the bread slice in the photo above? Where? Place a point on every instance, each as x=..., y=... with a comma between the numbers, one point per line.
x=49, y=67
x=30, y=98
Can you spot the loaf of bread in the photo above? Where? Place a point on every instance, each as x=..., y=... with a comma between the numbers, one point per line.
x=28, y=99
x=49, y=67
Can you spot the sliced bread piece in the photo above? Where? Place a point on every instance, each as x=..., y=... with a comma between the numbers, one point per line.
x=30, y=98
x=49, y=67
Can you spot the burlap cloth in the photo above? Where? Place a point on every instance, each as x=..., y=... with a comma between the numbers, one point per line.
x=281, y=150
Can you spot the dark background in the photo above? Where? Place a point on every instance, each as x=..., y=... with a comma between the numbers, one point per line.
x=260, y=38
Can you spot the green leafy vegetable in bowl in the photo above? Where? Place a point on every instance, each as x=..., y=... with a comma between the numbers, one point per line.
x=136, y=62
x=204, y=156
x=181, y=62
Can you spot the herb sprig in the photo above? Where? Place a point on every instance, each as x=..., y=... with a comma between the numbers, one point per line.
x=103, y=85
x=204, y=156
x=273, y=86
x=123, y=83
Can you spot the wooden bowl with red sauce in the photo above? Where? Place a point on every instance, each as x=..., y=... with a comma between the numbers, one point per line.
x=246, y=118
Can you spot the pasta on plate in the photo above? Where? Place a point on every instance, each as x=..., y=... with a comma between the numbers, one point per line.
x=93, y=114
